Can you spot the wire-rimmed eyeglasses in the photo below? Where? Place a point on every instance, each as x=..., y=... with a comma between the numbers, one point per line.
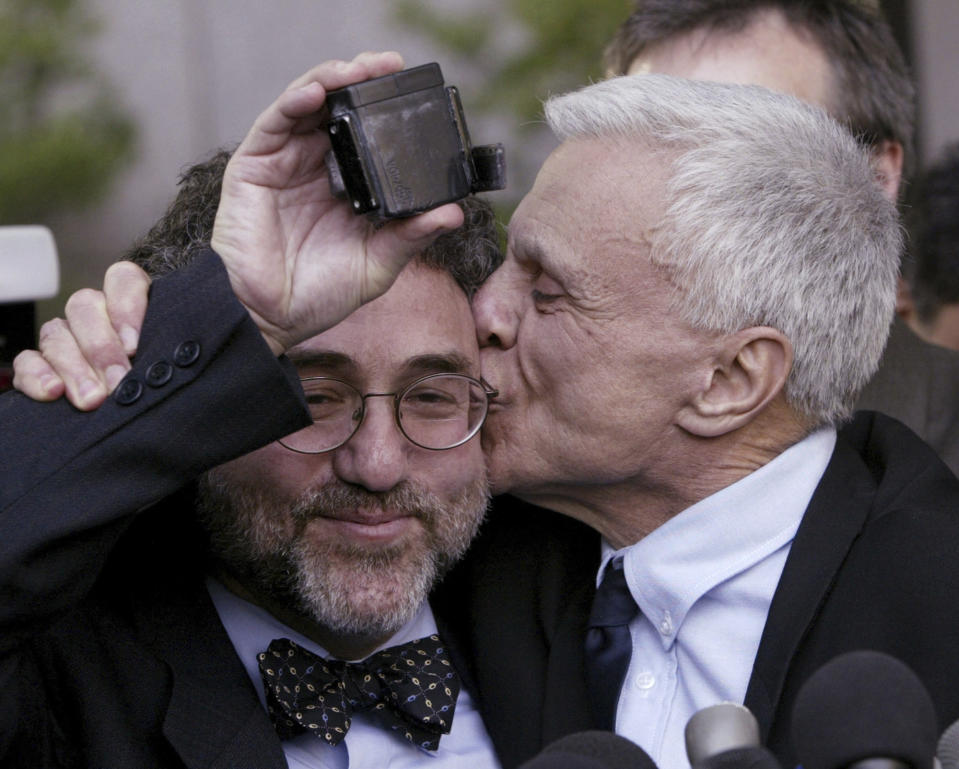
x=437, y=412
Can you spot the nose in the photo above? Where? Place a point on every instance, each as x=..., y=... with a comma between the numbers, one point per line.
x=496, y=309
x=376, y=458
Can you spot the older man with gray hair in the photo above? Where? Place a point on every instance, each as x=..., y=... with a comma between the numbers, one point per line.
x=840, y=55
x=696, y=288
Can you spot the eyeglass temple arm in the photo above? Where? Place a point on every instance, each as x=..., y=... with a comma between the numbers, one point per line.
x=490, y=391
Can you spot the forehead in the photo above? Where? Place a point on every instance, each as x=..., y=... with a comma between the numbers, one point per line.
x=593, y=204
x=769, y=52
x=422, y=324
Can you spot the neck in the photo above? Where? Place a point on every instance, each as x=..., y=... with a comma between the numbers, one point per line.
x=345, y=646
x=625, y=512
x=943, y=330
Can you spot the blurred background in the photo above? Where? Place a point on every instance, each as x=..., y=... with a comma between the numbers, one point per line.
x=105, y=102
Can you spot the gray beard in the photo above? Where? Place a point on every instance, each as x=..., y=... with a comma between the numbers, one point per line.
x=258, y=535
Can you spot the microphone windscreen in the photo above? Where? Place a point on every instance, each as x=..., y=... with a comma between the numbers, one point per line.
x=562, y=760
x=719, y=728
x=591, y=750
x=752, y=757
x=948, y=750
x=863, y=705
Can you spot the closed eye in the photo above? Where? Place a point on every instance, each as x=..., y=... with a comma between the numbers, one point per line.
x=546, y=290
x=542, y=298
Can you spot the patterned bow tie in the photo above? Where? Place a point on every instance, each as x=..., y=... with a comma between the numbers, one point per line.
x=410, y=689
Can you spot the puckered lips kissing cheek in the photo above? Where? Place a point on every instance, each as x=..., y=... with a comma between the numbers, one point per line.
x=498, y=412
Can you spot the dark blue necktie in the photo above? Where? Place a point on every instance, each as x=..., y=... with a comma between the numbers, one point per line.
x=608, y=643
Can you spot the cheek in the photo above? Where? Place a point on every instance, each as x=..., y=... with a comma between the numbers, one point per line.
x=572, y=339
x=447, y=473
x=565, y=364
x=548, y=350
x=595, y=385
x=281, y=470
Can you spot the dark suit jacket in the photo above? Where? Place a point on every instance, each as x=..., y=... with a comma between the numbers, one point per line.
x=111, y=653
x=873, y=566
x=918, y=384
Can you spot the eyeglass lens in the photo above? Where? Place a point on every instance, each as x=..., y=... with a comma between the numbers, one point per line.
x=437, y=412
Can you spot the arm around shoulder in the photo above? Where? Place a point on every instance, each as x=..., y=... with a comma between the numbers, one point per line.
x=204, y=388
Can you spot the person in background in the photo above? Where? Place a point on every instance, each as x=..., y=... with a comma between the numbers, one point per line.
x=932, y=265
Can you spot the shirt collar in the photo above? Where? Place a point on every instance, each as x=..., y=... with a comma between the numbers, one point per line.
x=722, y=535
x=251, y=629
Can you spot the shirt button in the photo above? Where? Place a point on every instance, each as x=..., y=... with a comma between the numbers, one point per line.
x=129, y=391
x=666, y=626
x=645, y=680
x=159, y=374
x=186, y=353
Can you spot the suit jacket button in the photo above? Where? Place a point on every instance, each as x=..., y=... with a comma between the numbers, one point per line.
x=186, y=353
x=159, y=374
x=128, y=391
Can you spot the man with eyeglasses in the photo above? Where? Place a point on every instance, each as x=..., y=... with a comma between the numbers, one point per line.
x=674, y=344
x=145, y=624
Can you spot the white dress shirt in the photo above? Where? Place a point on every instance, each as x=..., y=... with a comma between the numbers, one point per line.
x=704, y=582
x=366, y=745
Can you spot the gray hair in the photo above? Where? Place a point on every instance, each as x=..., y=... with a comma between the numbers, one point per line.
x=772, y=218
x=469, y=254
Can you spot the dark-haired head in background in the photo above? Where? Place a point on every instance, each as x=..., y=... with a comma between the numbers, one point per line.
x=932, y=265
x=838, y=54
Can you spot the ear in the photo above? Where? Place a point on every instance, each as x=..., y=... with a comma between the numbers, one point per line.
x=887, y=162
x=749, y=372
x=905, y=305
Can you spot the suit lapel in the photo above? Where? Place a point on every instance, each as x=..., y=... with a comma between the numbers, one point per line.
x=834, y=519
x=513, y=612
x=566, y=706
x=214, y=717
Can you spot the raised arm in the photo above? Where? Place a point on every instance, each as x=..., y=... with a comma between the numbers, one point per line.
x=298, y=259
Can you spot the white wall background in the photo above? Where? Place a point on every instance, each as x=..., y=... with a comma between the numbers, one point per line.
x=935, y=25
x=195, y=73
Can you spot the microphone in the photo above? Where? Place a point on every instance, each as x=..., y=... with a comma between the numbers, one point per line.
x=591, y=750
x=948, y=749
x=864, y=710
x=726, y=736
x=29, y=270
x=28, y=264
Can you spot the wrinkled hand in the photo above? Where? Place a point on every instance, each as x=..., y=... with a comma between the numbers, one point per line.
x=298, y=258
x=86, y=354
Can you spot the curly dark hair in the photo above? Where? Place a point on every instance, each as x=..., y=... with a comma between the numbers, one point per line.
x=469, y=254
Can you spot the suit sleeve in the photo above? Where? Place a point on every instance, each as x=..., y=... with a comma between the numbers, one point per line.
x=204, y=388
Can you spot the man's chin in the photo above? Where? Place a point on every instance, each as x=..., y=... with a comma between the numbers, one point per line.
x=364, y=588
x=354, y=562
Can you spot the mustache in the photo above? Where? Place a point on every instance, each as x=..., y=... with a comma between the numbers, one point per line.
x=331, y=498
